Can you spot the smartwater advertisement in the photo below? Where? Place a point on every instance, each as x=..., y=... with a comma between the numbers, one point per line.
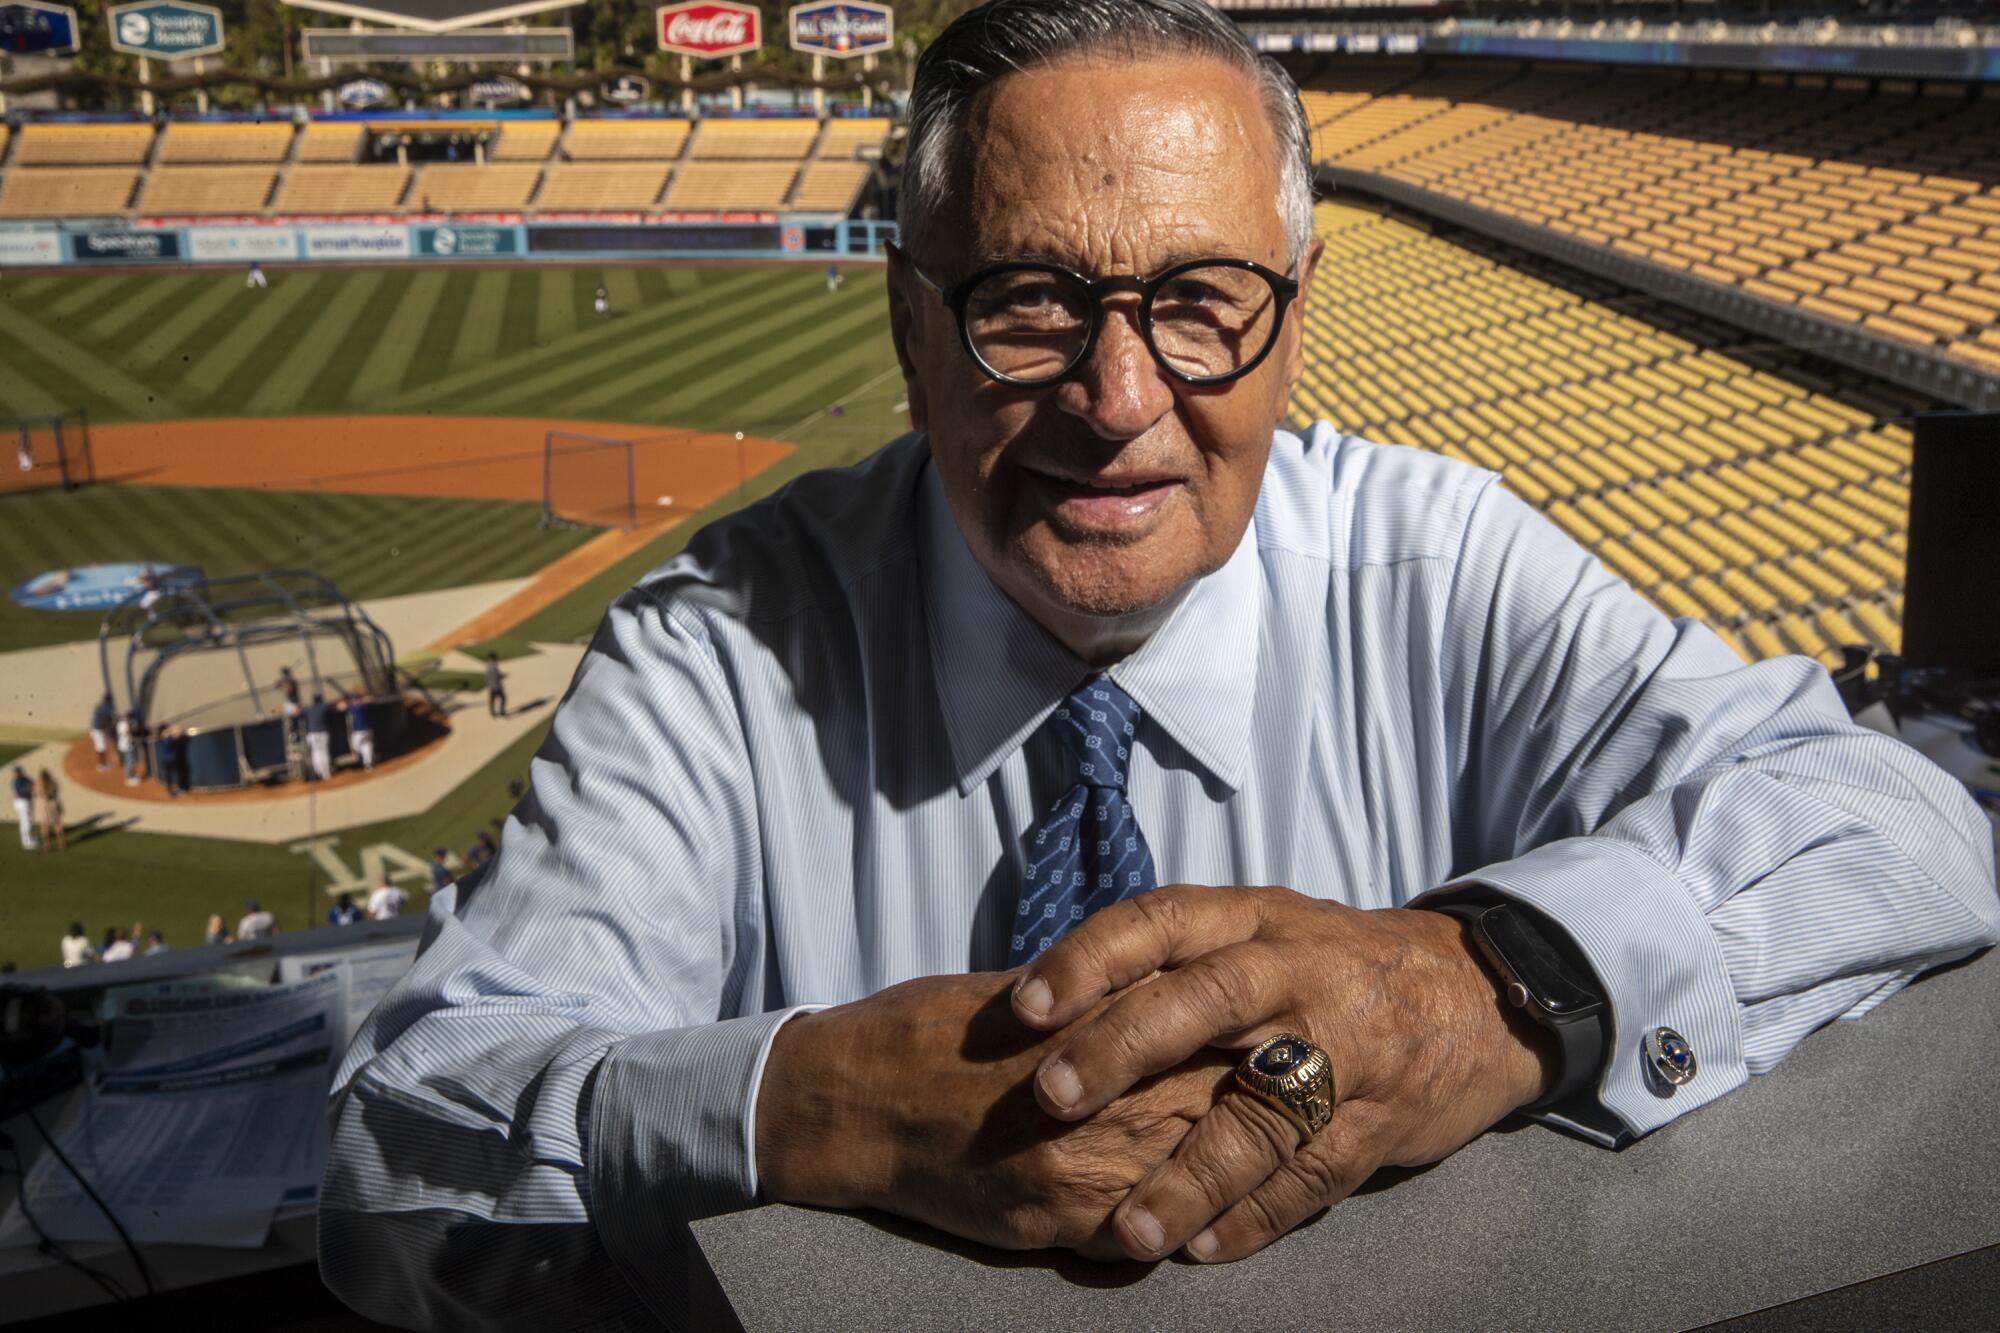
x=356, y=242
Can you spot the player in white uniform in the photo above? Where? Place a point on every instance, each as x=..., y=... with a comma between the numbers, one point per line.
x=602, y=303
x=256, y=276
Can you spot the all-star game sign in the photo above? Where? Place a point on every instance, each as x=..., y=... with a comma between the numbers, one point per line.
x=843, y=30
x=166, y=30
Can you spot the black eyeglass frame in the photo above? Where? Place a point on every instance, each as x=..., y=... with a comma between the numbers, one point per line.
x=1284, y=291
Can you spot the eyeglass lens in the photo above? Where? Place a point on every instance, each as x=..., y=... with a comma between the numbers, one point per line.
x=1032, y=324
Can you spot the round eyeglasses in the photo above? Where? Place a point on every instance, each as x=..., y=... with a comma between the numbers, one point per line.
x=1206, y=321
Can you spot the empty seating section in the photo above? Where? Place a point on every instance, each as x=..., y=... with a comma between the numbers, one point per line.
x=524, y=140
x=829, y=187
x=848, y=136
x=602, y=185
x=330, y=141
x=323, y=188
x=732, y=185
x=64, y=145
x=1742, y=489
x=1876, y=208
x=755, y=138
x=193, y=142
x=461, y=187
x=207, y=190
x=625, y=139
x=49, y=192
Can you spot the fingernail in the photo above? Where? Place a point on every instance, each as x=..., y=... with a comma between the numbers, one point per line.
x=1060, y=1083
x=1147, y=1228
x=1034, y=998
x=1203, y=1247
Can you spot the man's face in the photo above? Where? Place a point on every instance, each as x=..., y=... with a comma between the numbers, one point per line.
x=1107, y=493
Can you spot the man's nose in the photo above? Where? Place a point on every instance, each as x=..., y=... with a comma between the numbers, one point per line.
x=1120, y=390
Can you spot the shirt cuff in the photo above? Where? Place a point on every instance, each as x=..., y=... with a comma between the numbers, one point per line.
x=673, y=1133
x=1657, y=960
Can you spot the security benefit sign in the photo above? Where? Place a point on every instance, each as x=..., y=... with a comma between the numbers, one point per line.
x=35, y=29
x=845, y=30
x=710, y=29
x=167, y=29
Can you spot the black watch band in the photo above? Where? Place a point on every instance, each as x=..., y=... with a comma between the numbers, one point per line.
x=1542, y=975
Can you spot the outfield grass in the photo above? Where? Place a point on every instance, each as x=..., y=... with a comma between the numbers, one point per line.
x=369, y=545
x=761, y=349
x=172, y=883
x=742, y=347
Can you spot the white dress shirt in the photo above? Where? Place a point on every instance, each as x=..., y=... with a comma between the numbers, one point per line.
x=800, y=759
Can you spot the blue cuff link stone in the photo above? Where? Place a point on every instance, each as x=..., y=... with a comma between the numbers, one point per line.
x=1670, y=1056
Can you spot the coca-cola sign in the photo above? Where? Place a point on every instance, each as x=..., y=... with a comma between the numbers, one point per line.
x=710, y=29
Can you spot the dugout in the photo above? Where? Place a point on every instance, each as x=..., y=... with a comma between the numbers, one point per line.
x=204, y=658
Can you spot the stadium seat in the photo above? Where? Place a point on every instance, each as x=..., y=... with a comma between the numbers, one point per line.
x=46, y=192
x=708, y=185
x=829, y=187
x=76, y=145
x=463, y=187
x=601, y=185
x=329, y=141
x=170, y=190
x=524, y=141
x=845, y=137
x=754, y=138
x=625, y=140
x=184, y=142
x=321, y=188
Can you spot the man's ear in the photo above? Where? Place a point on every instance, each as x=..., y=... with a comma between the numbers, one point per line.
x=1295, y=354
x=903, y=295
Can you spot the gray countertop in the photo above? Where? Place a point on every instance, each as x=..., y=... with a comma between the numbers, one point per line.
x=1870, y=1150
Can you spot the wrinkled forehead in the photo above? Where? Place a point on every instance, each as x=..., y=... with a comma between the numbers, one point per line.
x=1116, y=166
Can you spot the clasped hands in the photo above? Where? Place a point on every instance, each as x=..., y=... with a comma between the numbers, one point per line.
x=1087, y=1100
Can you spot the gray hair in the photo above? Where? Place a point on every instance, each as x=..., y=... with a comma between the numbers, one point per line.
x=1003, y=36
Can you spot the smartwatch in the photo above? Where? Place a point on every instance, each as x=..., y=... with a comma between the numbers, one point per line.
x=1543, y=976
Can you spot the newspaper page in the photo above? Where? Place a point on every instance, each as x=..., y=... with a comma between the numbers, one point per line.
x=204, y=1113
x=365, y=976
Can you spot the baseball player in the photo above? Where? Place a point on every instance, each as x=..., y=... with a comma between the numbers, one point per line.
x=256, y=277
x=833, y=277
x=102, y=719
x=319, y=739
x=602, y=302
x=360, y=732
x=128, y=747
x=24, y=453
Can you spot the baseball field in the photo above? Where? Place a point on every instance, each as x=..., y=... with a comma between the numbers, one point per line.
x=383, y=427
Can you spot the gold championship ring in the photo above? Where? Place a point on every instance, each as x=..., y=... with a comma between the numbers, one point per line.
x=1293, y=1076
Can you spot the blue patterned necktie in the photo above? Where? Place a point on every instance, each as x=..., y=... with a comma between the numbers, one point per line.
x=1088, y=851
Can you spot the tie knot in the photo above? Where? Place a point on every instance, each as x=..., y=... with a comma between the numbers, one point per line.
x=1097, y=723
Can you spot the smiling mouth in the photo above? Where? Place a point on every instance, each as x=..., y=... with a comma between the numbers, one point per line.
x=1106, y=507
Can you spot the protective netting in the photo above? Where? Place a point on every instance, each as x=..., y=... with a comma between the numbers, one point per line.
x=587, y=479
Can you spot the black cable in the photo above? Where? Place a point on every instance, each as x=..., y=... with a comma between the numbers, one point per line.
x=138, y=1261
x=49, y=1245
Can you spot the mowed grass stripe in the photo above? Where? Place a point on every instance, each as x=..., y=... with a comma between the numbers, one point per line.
x=75, y=317
x=108, y=381
x=440, y=324
x=290, y=374
x=743, y=290
x=478, y=337
x=21, y=394
x=65, y=295
x=844, y=366
x=738, y=374
x=228, y=343
x=325, y=388
x=115, y=325
x=634, y=368
x=737, y=405
x=401, y=341
x=57, y=385
x=204, y=320
x=555, y=305
x=187, y=525
x=518, y=333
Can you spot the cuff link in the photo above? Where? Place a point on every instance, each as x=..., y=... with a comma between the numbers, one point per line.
x=1669, y=1056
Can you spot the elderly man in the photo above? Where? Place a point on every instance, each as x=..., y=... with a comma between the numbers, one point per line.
x=919, y=741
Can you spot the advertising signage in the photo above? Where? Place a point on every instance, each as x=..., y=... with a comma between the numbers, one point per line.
x=710, y=29
x=167, y=29
x=843, y=30
x=35, y=29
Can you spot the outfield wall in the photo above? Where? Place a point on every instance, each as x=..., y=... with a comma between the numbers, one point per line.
x=773, y=237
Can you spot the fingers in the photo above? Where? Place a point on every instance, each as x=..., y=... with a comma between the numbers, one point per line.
x=1126, y=941
x=1321, y=1174
x=1216, y=997
x=1229, y=1152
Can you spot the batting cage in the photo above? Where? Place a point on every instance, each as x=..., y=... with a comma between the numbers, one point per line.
x=206, y=658
x=51, y=450
x=588, y=479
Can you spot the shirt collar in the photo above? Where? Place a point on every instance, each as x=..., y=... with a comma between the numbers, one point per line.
x=1000, y=674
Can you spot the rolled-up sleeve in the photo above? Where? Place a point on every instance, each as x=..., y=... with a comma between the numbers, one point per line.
x=1736, y=859
x=567, y=1075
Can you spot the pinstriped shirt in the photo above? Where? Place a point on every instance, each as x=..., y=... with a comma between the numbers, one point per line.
x=799, y=762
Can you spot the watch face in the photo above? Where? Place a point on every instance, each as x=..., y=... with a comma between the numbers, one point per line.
x=1279, y=1058
x=1547, y=978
